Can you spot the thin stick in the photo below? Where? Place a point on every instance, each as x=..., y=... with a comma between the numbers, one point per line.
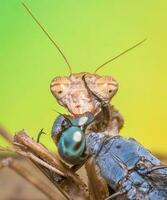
x=37, y=149
x=7, y=149
x=72, y=185
x=46, y=173
x=115, y=195
x=40, y=162
x=21, y=170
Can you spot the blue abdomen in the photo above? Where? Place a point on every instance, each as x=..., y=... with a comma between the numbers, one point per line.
x=126, y=166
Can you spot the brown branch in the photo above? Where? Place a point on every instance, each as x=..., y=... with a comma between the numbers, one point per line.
x=21, y=170
x=39, y=161
x=25, y=143
x=72, y=186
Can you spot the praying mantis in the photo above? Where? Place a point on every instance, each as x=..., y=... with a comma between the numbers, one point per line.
x=80, y=93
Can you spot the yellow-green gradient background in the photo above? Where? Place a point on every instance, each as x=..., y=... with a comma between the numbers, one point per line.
x=89, y=32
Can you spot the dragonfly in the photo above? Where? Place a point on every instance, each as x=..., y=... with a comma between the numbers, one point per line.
x=130, y=171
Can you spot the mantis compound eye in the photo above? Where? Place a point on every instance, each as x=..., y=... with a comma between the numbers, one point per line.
x=71, y=145
x=103, y=87
x=60, y=87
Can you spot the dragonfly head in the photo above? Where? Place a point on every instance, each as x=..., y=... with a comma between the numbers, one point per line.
x=71, y=142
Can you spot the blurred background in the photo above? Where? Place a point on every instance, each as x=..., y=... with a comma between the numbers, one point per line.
x=89, y=32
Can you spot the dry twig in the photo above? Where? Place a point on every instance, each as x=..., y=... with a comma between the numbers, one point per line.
x=71, y=187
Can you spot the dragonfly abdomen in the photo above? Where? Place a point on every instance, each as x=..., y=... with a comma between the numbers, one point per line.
x=127, y=167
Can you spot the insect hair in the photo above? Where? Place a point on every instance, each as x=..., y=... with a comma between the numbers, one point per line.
x=49, y=37
x=119, y=55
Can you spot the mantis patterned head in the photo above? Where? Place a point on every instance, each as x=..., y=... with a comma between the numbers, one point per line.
x=82, y=92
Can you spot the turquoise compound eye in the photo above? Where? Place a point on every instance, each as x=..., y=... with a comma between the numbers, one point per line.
x=71, y=145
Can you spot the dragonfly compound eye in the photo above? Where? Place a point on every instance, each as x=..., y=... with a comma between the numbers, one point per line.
x=71, y=145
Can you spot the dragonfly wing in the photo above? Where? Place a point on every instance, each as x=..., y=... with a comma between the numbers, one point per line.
x=159, y=178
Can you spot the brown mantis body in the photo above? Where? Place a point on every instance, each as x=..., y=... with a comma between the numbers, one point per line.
x=79, y=93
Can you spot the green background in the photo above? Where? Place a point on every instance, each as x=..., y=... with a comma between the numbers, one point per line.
x=89, y=32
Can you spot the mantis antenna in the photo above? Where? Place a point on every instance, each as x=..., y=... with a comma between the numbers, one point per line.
x=47, y=34
x=119, y=55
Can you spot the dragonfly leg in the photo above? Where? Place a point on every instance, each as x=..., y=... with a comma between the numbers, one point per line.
x=41, y=132
x=117, y=194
